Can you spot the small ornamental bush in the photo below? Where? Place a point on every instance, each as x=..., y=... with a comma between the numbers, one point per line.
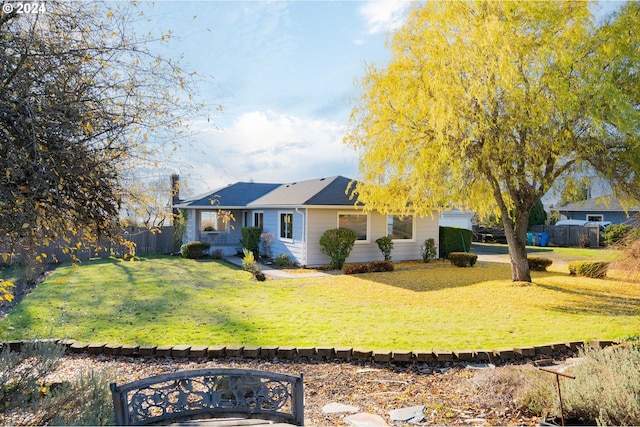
x=592, y=269
x=463, y=259
x=251, y=238
x=606, y=388
x=385, y=244
x=380, y=266
x=428, y=250
x=282, y=261
x=355, y=269
x=23, y=373
x=249, y=262
x=337, y=243
x=614, y=233
x=539, y=264
x=195, y=250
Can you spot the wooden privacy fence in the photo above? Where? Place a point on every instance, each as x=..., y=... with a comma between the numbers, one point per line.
x=570, y=235
x=147, y=242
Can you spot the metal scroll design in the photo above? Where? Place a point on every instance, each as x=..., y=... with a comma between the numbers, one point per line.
x=210, y=394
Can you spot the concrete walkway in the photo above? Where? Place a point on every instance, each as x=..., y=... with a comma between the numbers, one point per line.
x=275, y=274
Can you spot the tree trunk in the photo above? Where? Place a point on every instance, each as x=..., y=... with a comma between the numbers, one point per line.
x=516, y=235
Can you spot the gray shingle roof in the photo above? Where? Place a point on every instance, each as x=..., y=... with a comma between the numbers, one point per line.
x=330, y=191
x=604, y=203
x=235, y=195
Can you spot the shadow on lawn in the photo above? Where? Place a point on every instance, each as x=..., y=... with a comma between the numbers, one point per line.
x=440, y=275
x=589, y=301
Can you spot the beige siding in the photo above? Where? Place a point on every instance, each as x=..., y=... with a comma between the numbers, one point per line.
x=320, y=220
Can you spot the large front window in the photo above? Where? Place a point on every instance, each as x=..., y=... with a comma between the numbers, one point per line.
x=211, y=221
x=356, y=222
x=286, y=225
x=400, y=227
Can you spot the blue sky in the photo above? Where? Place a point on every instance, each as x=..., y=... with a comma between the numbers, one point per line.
x=284, y=74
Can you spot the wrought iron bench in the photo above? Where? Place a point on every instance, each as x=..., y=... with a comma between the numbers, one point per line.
x=210, y=394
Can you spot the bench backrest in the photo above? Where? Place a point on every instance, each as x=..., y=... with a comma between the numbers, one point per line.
x=214, y=393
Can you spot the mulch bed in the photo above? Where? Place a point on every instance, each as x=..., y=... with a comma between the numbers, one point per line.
x=449, y=392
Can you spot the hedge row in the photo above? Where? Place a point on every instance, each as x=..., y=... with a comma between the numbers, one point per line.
x=319, y=353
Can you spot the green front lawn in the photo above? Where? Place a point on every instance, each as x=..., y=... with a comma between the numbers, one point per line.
x=169, y=300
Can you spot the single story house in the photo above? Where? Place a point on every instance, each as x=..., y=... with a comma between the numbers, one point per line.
x=296, y=214
x=599, y=209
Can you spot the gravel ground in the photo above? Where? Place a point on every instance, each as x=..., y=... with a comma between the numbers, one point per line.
x=451, y=394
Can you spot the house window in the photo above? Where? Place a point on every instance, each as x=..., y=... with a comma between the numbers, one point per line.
x=286, y=225
x=400, y=227
x=595, y=218
x=211, y=221
x=258, y=220
x=356, y=222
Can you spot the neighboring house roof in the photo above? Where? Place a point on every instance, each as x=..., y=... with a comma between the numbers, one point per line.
x=333, y=191
x=603, y=203
x=330, y=191
x=239, y=194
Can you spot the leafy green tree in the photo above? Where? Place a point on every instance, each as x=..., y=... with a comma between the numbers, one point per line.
x=485, y=104
x=84, y=102
x=537, y=216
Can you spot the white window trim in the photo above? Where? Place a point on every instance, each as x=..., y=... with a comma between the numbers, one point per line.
x=253, y=218
x=413, y=228
x=284, y=239
x=594, y=220
x=368, y=215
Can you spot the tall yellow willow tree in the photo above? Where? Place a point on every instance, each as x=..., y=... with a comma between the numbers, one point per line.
x=485, y=105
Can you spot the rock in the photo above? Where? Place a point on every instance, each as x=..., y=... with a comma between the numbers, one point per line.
x=336, y=408
x=480, y=366
x=412, y=415
x=366, y=420
x=475, y=421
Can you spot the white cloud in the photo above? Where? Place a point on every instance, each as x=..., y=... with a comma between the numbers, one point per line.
x=384, y=16
x=267, y=146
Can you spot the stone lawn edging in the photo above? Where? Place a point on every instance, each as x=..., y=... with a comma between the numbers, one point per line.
x=346, y=354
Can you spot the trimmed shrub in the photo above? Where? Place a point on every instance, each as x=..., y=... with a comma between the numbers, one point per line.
x=463, y=259
x=282, y=261
x=251, y=238
x=428, y=250
x=355, y=269
x=593, y=269
x=337, y=243
x=454, y=239
x=614, y=233
x=538, y=263
x=385, y=244
x=195, y=250
x=380, y=266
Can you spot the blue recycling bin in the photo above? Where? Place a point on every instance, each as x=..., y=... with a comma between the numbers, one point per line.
x=544, y=239
x=529, y=239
